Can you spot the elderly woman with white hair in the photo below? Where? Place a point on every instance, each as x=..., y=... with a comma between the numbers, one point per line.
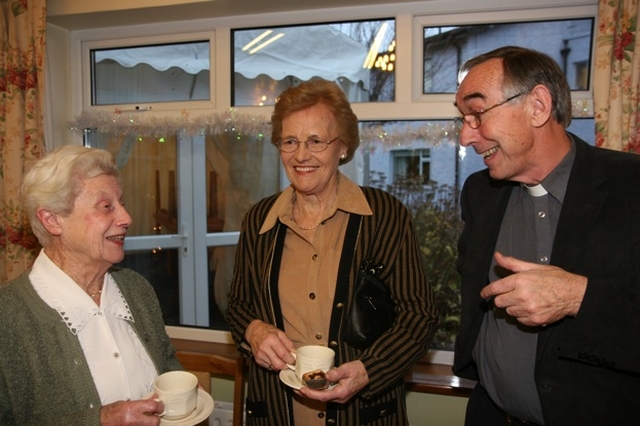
x=81, y=341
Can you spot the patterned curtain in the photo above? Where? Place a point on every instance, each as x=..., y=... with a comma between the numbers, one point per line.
x=617, y=76
x=22, y=46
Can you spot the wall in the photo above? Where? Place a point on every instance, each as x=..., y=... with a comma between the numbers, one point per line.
x=423, y=409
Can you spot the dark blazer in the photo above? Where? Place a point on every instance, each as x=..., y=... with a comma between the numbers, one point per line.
x=388, y=238
x=587, y=368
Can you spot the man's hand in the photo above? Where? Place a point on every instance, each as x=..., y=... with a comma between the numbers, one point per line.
x=536, y=295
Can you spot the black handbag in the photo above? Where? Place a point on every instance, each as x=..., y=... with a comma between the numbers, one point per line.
x=372, y=311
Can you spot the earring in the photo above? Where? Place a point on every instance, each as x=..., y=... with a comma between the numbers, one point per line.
x=343, y=156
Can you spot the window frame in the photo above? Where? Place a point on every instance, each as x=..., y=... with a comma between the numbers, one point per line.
x=147, y=107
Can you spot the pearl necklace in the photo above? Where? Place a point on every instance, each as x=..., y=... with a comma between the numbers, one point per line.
x=96, y=294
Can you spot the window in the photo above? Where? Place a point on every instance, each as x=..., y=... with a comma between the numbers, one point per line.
x=177, y=186
x=360, y=56
x=411, y=165
x=193, y=163
x=447, y=48
x=158, y=73
x=581, y=75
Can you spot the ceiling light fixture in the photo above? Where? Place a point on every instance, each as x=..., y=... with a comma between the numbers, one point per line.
x=257, y=39
x=370, y=60
x=266, y=43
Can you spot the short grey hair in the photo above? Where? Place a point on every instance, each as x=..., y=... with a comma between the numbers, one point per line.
x=55, y=181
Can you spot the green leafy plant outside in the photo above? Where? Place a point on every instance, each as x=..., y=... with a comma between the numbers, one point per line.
x=436, y=218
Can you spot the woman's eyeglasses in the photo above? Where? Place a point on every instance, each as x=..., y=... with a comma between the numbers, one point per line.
x=313, y=144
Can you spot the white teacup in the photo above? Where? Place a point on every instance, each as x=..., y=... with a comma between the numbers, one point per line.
x=312, y=358
x=178, y=391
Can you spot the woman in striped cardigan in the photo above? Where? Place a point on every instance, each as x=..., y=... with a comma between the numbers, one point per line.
x=295, y=274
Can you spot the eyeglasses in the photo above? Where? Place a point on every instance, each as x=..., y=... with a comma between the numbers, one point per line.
x=473, y=118
x=313, y=144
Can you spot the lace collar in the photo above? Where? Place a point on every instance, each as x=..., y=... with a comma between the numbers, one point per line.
x=75, y=307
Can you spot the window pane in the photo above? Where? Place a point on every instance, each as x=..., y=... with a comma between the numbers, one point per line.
x=360, y=56
x=429, y=147
x=585, y=129
x=160, y=267
x=241, y=171
x=160, y=73
x=447, y=48
x=148, y=176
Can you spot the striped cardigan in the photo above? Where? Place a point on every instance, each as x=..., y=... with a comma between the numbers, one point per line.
x=388, y=238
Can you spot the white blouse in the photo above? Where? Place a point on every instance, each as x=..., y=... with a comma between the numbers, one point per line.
x=119, y=363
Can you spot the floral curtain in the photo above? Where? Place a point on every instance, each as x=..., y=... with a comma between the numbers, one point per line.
x=22, y=46
x=617, y=76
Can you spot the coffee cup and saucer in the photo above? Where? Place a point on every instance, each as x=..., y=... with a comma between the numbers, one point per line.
x=185, y=404
x=312, y=363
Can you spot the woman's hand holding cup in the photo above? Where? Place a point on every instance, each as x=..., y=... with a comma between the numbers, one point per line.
x=178, y=391
x=312, y=363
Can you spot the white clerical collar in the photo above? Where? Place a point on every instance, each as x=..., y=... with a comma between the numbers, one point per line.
x=75, y=306
x=536, y=191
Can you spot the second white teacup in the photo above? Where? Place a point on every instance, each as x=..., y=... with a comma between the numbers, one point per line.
x=311, y=358
x=178, y=391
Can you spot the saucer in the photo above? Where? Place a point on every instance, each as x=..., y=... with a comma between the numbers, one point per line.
x=289, y=378
x=202, y=412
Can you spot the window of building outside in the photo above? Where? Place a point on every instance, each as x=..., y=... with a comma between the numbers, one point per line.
x=581, y=75
x=359, y=56
x=178, y=182
x=411, y=165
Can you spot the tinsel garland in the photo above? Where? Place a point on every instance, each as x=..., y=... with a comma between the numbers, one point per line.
x=373, y=136
x=144, y=125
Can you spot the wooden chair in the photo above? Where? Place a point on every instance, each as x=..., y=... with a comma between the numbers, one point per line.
x=204, y=367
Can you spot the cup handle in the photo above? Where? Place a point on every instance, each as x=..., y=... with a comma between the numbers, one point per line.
x=292, y=366
x=164, y=410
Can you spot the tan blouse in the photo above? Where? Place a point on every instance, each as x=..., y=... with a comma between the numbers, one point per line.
x=308, y=274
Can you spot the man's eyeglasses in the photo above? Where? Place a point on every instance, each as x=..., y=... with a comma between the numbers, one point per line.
x=313, y=144
x=473, y=118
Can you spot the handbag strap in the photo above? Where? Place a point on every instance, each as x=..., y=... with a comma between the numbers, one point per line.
x=281, y=233
x=342, y=286
x=341, y=296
